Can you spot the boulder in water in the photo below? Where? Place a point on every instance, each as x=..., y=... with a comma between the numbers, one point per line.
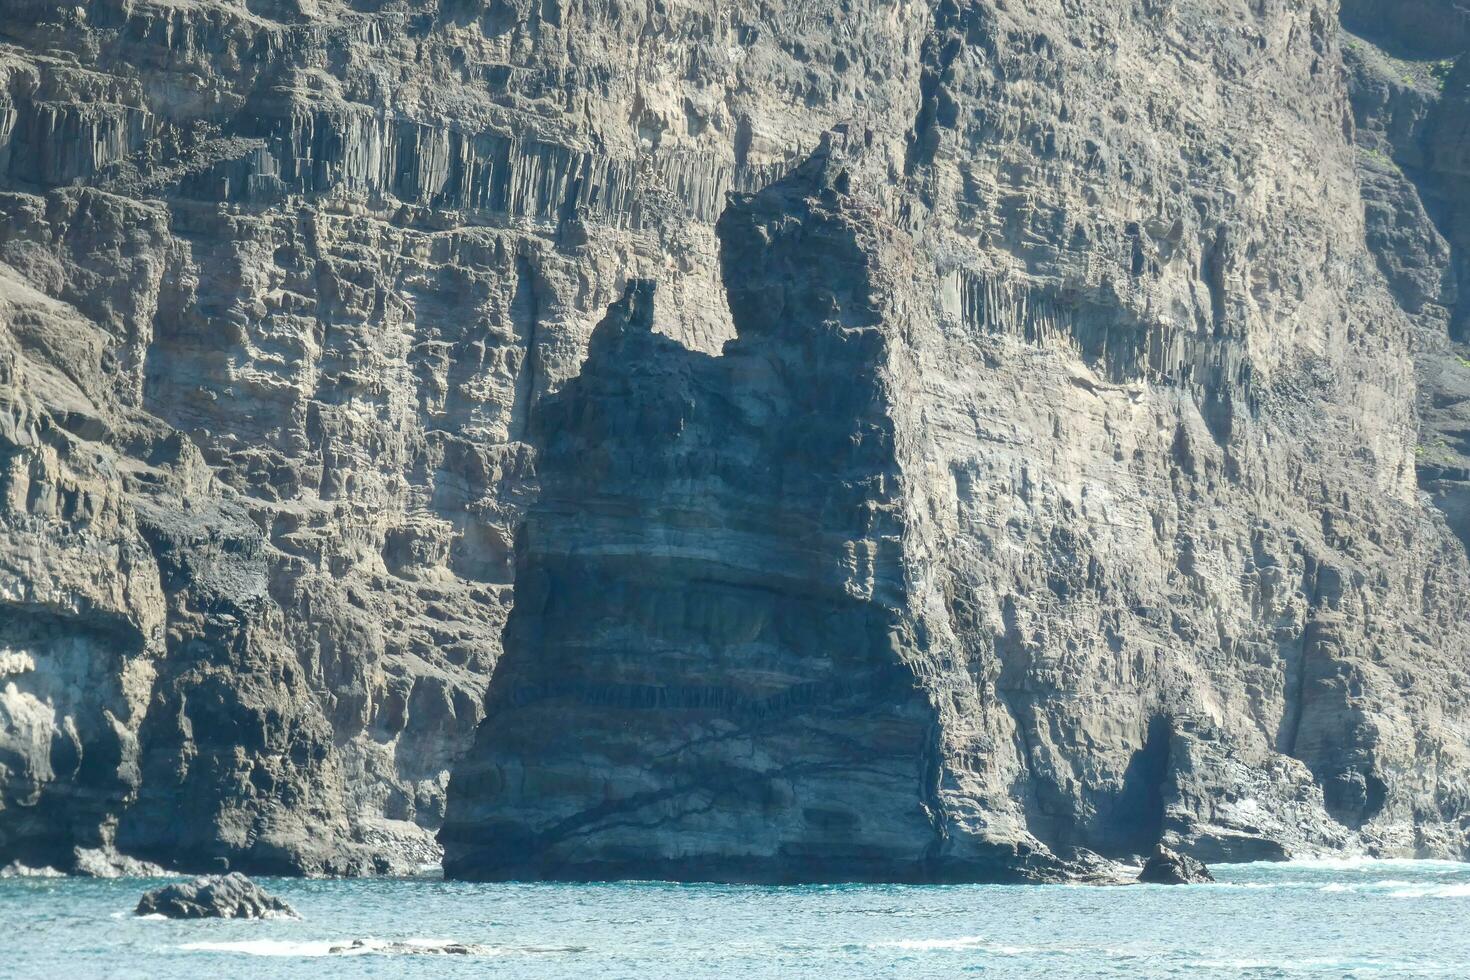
x=1166, y=867
x=231, y=896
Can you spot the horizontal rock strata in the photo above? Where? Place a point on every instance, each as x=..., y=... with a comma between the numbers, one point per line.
x=1064, y=457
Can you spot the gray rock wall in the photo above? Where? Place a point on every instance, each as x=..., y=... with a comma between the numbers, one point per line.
x=1109, y=468
x=329, y=258
x=1167, y=573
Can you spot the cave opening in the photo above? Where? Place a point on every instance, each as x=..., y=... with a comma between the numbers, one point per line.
x=1138, y=813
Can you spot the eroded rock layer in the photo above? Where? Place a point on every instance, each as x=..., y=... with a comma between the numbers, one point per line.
x=1065, y=458
x=711, y=640
x=1165, y=570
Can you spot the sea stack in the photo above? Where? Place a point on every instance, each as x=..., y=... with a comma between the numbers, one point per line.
x=1166, y=867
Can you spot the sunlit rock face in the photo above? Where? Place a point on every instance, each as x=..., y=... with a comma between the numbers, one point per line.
x=1051, y=449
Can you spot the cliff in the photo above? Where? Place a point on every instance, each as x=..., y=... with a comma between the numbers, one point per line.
x=783, y=441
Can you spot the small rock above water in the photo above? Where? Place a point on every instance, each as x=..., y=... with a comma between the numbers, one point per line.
x=231, y=896
x=1166, y=867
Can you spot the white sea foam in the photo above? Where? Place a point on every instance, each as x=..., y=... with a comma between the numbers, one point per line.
x=1360, y=863
x=365, y=947
x=982, y=945
x=962, y=942
x=326, y=947
x=1330, y=965
x=1388, y=884
x=1399, y=888
x=1432, y=891
x=269, y=947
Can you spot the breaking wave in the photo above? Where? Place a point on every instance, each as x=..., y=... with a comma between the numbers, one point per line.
x=1361, y=864
x=1336, y=966
x=962, y=942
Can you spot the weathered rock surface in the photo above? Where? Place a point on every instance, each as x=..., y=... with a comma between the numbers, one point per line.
x=280, y=292
x=709, y=641
x=1087, y=469
x=1411, y=105
x=1114, y=536
x=231, y=896
x=1166, y=867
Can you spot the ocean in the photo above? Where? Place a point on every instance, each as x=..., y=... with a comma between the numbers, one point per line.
x=1328, y=918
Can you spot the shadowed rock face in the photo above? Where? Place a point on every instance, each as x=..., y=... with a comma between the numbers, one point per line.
x=1423, y=28
x=1411, y=101
x=1087, y=469
x=710, y=669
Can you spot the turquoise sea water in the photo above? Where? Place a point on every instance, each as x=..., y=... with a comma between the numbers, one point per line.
x=1348, y=918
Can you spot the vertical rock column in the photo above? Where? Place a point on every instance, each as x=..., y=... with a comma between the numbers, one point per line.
x=708, y=670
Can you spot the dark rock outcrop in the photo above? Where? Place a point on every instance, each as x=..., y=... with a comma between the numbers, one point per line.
x=711, y=642
x=231, y=896
x=1166, y=867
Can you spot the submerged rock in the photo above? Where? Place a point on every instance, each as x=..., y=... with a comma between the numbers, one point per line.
x=231, y=896
x=1166, y=867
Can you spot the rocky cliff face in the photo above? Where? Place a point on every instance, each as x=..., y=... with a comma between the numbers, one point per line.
x=712, y=638
x=1057, y=457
